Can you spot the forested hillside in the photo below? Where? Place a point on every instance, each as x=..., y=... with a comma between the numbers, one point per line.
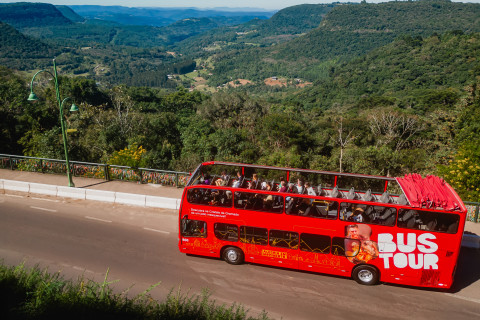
x=22, y=15
x=346, y=32
x=283, y=26
x=395, y=89
x=17, y=50
x=411, y=72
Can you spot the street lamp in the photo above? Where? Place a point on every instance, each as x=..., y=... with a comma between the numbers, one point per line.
x=33, y=97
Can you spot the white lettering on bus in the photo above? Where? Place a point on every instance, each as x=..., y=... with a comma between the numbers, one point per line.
x=400, y=252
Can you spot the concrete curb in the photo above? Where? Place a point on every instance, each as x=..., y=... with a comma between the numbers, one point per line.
x=16, y=186
x=100, y=195
x=90, y=194
x=46, y=189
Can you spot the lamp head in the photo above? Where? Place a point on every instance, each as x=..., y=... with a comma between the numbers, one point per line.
x=32, y=97
x=73, y=108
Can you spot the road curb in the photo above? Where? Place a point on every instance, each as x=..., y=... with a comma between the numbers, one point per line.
x=90, y=194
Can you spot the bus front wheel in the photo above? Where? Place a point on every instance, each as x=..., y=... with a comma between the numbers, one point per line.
x=233, y=255
x=366, y=275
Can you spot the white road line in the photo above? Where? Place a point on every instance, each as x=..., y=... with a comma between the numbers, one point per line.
x=43, y=199
x=13, y=195
x=463, y=298
x=43, y=209
x=155, y=230
x=97, y=219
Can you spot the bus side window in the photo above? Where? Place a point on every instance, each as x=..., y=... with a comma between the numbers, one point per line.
x=283, y=239
x=362, y=213
x=210, y=197
x=428, y=220
x=258, y=202
x=315, y=243
x=194, y=228
x=227, y=232
x=253, y=235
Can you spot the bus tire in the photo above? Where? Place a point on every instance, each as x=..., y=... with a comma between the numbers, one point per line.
x=366, y=275
x=233, y=255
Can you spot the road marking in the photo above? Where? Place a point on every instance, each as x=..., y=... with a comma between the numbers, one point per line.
x=13, y=195
x=155, y=230
x=51, y=200
x=97, y=219
x=43, y=209
x=463, y=298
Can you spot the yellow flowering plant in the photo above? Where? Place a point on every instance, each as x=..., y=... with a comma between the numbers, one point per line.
x=132, y=156
x=463, y=171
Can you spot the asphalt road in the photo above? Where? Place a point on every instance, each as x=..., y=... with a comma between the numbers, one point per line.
x=139, y=246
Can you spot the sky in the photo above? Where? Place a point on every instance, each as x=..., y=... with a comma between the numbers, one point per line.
x=264, y=4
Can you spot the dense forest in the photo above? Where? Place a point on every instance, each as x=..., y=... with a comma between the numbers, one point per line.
x=386, y=97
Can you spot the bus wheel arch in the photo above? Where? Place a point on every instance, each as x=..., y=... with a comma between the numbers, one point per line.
x=366, y=274
x=233, y=255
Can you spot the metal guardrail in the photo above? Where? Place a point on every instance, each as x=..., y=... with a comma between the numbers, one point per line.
x=473, y=210
x=107, y=172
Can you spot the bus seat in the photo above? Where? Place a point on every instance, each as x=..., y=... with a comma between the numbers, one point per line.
x=402, y=200
x=368, y=195
x=385, y=197
x=369, y=213
x=453, y=227
x=431, y=225
x=321, y=210
x=320, y=191
x=335, y=193
x=351, y=194
x=387, y=217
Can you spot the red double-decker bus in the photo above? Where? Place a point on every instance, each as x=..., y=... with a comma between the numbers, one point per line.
x=405, y=230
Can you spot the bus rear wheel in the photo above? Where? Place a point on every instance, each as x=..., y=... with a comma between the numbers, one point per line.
x=233, y=255
x=366, y=275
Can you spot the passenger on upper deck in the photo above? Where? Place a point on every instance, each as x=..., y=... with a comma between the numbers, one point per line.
x=291, y=188
x=300, y=187
x=238, y=181
x=222, y=180
x=283, y=186
x=206, y=179
x=255, y=181
x=310, y=190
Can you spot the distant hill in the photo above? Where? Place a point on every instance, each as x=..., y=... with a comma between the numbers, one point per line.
x=160, y=16
x=284, y=25
x=25, y=14
x=93, y=32
x=347, y=31
x=20, y=52
x=68, y=13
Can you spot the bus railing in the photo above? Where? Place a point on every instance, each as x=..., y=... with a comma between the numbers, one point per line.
x=107, y=172
x=473, y=210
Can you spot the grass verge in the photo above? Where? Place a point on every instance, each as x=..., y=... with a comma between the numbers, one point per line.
x=33, y=293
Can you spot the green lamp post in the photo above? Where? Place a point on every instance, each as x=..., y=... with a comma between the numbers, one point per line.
x=73, y=108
